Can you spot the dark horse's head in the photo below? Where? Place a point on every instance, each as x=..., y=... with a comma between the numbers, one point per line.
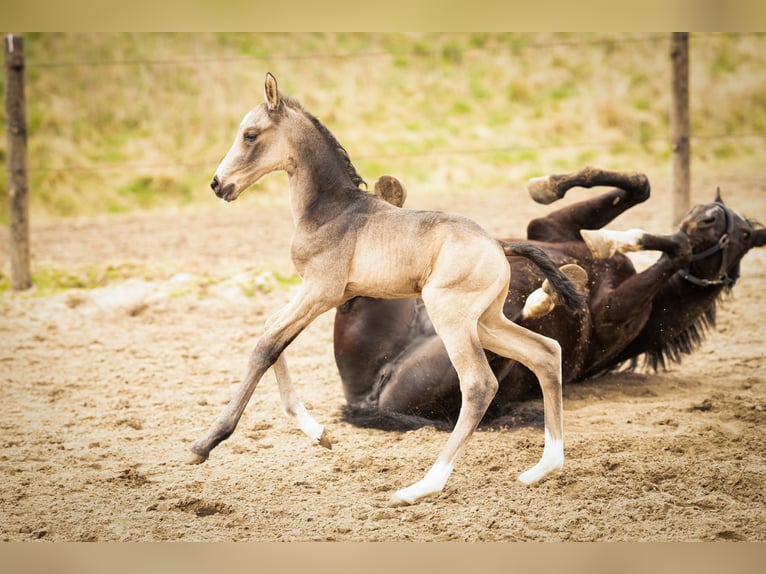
x=719, y=238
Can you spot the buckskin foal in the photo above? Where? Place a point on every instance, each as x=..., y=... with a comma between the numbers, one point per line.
x=349, y=243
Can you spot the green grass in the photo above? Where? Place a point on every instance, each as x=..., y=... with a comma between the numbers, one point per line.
x=49, y=279
x=267, y=281
x=128, y=122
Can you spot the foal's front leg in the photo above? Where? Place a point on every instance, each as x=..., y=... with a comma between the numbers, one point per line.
x=279, y=333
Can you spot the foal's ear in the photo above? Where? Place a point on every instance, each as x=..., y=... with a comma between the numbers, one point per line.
x=718, y=195
x=759, y=238
x=272, y=92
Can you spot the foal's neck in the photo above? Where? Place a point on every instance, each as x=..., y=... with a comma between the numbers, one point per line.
x=319, y=184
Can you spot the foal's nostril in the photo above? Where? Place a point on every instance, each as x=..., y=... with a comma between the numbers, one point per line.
x=215, y=184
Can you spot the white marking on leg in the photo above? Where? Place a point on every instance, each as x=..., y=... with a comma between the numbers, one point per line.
x=604, y=243
x=538, y=304
x=551, y=461
x=432, y=483
x=293, y=407
x=307, y=423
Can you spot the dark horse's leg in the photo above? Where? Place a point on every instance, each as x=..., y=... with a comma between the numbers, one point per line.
x=391, y=361
x=627, y=299
x=632, y=296
x=621, y=312
x=423, y=382
x=623, y=308
x=565, y=224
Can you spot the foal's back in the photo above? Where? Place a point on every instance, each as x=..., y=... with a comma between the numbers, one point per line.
x=398, y=251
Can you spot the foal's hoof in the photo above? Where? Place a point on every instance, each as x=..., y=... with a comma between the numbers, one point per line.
x=535, y=475
x=325, y=440
x=542, y=190
x=195, y=458
x=396, y=501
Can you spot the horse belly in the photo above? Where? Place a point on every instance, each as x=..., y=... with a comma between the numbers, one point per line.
x=386, y=272
x=381, y=288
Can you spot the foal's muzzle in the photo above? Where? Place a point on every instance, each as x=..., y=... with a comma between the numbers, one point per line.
x=215, y=185
x=225, y=192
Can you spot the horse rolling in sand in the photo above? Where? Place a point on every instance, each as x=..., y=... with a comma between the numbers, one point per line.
x=348, y=243
x=396, y=373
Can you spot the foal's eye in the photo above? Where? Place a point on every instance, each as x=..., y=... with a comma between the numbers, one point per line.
x=250, y=137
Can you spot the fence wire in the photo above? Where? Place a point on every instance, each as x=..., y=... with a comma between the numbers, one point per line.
x=419, y=52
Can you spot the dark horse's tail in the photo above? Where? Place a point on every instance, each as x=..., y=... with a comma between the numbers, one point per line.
x=572, y=299
x=371, y=416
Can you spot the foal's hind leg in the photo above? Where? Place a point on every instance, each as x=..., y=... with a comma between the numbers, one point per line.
x=294, y=408
x=542, y=356
x=478, y=385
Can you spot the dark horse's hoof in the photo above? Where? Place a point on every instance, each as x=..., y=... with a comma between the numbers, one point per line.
x=543, y=190
x=391, y=190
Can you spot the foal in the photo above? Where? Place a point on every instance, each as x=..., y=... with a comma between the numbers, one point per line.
x=348, y=243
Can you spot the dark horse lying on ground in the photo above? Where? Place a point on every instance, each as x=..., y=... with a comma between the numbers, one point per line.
x=396, y=372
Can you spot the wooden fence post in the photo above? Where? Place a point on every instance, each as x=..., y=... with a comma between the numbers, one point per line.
x=679, y=124
x=18, y=203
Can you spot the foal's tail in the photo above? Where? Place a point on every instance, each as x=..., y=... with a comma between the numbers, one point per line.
x=563, y=286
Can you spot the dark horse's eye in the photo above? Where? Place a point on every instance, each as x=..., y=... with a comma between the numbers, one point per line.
x=250, y=137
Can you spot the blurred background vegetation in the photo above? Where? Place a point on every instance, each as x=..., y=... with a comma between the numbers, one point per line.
x=125, y=122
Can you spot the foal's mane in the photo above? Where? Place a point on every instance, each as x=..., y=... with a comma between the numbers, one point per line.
x=340, y=151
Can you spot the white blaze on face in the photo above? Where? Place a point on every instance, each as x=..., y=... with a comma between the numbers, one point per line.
x=223, y=171
x=245, y=164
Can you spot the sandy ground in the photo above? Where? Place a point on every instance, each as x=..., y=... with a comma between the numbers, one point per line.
x=104, y=390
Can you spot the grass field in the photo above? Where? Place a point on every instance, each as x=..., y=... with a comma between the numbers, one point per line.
x=120, y=123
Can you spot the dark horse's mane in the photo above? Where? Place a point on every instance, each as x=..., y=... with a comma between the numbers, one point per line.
x=340, y=151
x=690, y=338
x=686, y=342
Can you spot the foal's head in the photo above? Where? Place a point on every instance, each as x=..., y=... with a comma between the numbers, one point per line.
x=258, y=149
x=719, y=237
x=278, y=135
